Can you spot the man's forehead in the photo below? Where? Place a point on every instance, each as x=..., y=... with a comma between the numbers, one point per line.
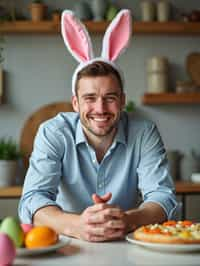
x=100, y=84
x=99, y=91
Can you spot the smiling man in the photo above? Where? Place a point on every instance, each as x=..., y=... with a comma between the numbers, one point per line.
x=98, y=155
x=88, y=168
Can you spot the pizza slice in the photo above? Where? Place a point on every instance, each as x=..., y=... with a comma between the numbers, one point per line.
x=170, y=232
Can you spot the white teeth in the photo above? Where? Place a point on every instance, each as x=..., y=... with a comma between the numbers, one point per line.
x=100, y=119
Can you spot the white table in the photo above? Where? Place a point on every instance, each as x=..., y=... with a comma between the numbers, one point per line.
x=118, y=253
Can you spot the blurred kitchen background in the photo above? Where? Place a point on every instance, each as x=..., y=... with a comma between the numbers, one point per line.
x=38, y=70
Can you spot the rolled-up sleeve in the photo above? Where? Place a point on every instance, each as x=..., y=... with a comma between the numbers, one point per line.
x=43, y=176
x=154, y=180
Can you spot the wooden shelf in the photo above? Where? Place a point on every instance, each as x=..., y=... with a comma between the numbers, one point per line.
x=181, y=188
x=51, y=27
x=171, y=98
x=171, y=27
x=187, y=187
x=29, y=27
x=10, y=192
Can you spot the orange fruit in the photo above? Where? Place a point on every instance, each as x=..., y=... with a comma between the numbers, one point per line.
x=40, y=236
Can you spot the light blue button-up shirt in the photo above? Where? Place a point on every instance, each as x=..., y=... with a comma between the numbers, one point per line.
x=64, y=170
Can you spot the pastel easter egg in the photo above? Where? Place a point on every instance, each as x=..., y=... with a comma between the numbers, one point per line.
x=12, y=228
x=26, y=227
x=7, y=250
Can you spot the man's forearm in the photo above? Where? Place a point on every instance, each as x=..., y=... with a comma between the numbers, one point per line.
x=147, y=213
x=60, y=221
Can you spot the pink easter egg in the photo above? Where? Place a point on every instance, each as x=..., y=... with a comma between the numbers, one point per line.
x=7, y=250
x=26, y=227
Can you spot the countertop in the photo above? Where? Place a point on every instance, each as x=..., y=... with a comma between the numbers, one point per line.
x=116, y=253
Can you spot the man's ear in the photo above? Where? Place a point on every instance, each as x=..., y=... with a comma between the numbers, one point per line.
x=75, y=103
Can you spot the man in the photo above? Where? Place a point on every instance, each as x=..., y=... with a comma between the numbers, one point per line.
x=99, y=151
x=87, y=167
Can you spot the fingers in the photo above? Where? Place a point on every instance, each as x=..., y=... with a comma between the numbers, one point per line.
x=102, y=232
x=101, y=199
x=104, y=215
x=101, y=238
x=102, y=221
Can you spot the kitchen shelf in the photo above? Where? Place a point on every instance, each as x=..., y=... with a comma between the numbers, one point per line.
x=171, y=98
x=182, y=187
x=10, y=192
x=51, y=27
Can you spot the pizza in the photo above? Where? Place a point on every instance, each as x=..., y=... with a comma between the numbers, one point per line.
x=169, y=232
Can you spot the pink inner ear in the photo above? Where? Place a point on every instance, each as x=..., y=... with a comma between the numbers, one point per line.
x=119, y=37
x=76, y=38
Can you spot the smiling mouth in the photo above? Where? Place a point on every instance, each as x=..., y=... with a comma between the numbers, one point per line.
x=100, y=119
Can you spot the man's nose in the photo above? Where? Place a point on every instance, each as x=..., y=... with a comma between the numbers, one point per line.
x=100, y=105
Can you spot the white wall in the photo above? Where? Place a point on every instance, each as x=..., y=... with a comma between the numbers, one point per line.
x=39, y=68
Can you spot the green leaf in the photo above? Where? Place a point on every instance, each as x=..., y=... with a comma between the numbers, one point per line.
x=130, y=107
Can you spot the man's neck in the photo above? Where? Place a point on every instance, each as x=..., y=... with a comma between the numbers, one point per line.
x=100, y=144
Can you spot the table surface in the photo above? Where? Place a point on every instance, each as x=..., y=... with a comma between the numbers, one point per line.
x=181, y=188
x=116, y=253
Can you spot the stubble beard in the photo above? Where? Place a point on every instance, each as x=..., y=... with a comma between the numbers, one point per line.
x=107, y=132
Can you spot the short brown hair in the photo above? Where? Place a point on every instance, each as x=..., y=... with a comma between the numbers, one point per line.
x=98, y=68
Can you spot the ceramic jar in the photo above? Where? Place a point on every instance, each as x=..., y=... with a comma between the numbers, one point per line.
x=157, y=74
x=148, y=10
x=8, y=170
x=83, y=10
x=190, y=163
x=56, y=17
x=163, y=11
x=37, y=11
x=99, y=8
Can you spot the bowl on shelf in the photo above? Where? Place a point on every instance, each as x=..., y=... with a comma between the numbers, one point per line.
x=195, y=177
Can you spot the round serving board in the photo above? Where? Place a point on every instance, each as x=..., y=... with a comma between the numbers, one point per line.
x=32, y=123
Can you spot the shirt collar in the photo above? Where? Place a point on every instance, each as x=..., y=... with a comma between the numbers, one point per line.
x=80, y=137
x=120, y=136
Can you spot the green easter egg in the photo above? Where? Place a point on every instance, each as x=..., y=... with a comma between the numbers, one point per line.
x=12, y=228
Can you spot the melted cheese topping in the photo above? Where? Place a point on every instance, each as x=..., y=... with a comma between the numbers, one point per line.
x=179, y=229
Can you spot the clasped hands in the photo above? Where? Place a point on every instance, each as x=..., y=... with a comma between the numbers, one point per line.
x=102, y=221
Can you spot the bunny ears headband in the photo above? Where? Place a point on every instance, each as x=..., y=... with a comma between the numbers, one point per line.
x=78, y=42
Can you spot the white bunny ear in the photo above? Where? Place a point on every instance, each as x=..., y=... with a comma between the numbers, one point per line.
x=117, y=35
x=76, y=37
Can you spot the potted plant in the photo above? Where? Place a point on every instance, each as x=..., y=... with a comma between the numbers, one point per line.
x=37, y=10
x=9, y=156
x=56, y=15
x=130, y=107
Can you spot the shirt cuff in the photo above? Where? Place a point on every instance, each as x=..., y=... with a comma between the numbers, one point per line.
x=29, y=208
x=169, y=203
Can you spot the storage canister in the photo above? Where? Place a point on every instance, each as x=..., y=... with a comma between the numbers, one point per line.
x=148, y=10
x=157, y=74
x=163, y=11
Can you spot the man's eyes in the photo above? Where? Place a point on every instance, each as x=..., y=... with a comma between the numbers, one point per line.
x=105, y=99
x=90, y=99
x=110, y=98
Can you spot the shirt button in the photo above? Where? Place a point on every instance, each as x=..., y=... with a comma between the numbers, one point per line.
x=100, y=185
x=94, y=161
